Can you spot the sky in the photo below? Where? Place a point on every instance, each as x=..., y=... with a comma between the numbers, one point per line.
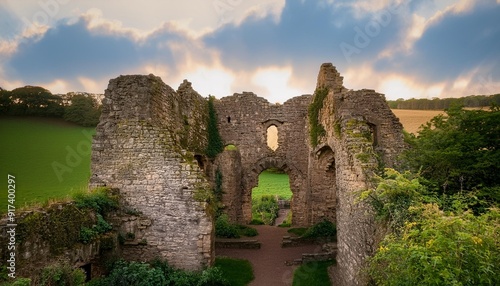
x=274, y=48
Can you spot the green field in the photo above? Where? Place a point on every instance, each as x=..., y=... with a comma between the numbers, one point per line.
x=49, y=158
x=272, y=183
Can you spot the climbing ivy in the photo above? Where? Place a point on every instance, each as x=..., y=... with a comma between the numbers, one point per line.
x=215, y=145
x=316, y=129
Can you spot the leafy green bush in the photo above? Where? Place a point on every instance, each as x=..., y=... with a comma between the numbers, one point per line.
x=60, y=275
x=324, y=229
x=101, y=200
x=298, y=231
x=439, y=249
x=265, y=208
x=224, y=228
x=158, y=273
x=256, y=221
x=88, y=234
x=244, y=230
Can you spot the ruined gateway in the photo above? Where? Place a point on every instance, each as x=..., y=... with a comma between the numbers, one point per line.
x=151, y=140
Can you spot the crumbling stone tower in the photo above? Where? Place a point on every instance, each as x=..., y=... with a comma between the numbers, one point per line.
x=151, y=140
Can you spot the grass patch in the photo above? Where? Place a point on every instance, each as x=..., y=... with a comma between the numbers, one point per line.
x=312, y=273
x=29, y=149
x=298, y=231
x=236, y=271
x=273, y=183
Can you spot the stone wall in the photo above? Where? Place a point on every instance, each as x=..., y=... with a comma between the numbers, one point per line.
x=141, y=148
x=50, y=235
x=243, y=122
x=364, y=135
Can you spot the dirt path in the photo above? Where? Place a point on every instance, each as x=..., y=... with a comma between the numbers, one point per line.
x=269, y=261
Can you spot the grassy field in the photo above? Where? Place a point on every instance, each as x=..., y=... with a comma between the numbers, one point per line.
x=413, y=119
x=49, y=158
x=271, y=183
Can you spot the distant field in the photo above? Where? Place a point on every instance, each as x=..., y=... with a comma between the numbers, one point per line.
x=272, y=184
x=49, y=158
x=413, y=119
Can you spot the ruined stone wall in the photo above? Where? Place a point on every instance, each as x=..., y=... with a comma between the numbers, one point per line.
x=243, y=120
x=364, y=135
x=141, y=147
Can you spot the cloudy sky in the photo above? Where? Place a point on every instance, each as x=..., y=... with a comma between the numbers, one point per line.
x=404, y=49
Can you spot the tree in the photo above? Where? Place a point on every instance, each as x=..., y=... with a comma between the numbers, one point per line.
x=458, y=151
x=83, y=110
x=35, y=100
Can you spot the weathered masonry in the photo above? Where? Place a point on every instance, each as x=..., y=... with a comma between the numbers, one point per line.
x=151, y=140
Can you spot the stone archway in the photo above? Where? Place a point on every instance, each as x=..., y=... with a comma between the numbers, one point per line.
x=296, y=178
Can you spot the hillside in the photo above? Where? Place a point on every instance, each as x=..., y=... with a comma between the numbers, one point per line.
x=49, y=157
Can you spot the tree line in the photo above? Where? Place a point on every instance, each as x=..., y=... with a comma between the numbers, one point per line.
x=80, y=108
x=470, y=101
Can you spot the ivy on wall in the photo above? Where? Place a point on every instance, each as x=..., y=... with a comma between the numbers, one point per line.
x=316, y=129
x=215, y=145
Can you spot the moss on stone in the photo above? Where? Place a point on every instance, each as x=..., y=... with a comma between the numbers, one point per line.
x=316, y=129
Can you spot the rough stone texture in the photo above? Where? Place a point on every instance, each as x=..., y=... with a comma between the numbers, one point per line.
x=140, y=147
x=50, y=235
x=150, y=144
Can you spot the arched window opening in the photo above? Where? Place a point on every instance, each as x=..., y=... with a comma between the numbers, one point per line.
x=229, y=119
x=272, y=137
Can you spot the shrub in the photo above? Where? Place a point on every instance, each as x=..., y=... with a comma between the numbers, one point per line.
x=265, y=208
x=62, y=275
x=100, y=200
x=223, y=228
x=244, y=230
x=312, y=273
x=238, y=272
x=324, y=229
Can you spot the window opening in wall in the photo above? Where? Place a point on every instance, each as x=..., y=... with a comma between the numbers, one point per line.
x=272, y=137
x=271, y=198
x=229, y=119
x=373, y=130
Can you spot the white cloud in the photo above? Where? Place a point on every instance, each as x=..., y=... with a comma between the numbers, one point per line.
x=276, y=82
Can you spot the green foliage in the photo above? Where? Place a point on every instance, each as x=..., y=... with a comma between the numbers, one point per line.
x=312, y=273
x=444, y=103
x=244, y=230
x=32, y=101
x=439, y=249
x=324, y=229
x=393, y=195
x=18, y=282
x=84, y=110
x=230, y=147
x=237, y=272
x=158, y=273
x=60, y=275
x=458, y=151
x=88, y=234
x=316, y=129
x=224, y=228
x=265, y=208
x=100, y=200
x=214, y=145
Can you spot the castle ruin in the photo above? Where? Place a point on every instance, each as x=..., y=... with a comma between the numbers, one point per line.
x=151, y=141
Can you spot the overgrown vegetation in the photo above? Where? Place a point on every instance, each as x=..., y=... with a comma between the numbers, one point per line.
x=324, y=230
x=61, y=275
x=312, y=273
x=100, y=200
x=214, y=145
x=80, y=108
x=316, y=129
x=225, y=229
x=237, y=272
x=158, y=273
x=265, y=210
